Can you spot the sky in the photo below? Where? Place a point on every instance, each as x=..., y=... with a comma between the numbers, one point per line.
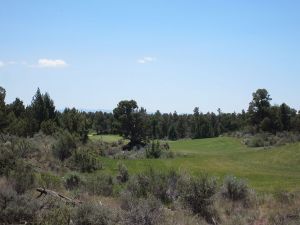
x=166, y=55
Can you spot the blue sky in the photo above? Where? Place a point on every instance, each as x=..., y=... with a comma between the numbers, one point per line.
x=167, y=55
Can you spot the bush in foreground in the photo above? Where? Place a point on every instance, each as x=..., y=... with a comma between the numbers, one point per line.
x=85, y=161
x=15, y=208
x=142, y=211
x=198, y=195
x=72, y=181
x=123, y=175
x=162, y=185
x=92, y=214
x=101, y=184
x=65, y=146
x=235, y=189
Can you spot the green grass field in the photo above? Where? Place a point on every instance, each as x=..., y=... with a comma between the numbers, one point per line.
x=267, y=170
x=106, y=138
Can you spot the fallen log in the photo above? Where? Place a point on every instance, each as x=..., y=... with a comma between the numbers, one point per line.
x=57, y=195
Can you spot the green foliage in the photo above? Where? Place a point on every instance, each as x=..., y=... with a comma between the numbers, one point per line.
x=42, y=107
x=65, y=145
x=19, y=127
x=143, y=211
x=139, y=185
x=49, y=180
x=22, y=147
x=48, y=127
x=16, y=209
x=85, y=161
x=8, y=160
x=268, y=139
x=3, y=114
x=2, y=98
x=60, y=214
x=257, y=141
x=235, y=189
x=266, y=124
x=172, y=135
x=156, y=149
x=259, y=106
x=102, y=123
x=73, y=121
x=153, y=150
x=162, y=185
x=138, y=126
x=131, y=122
x=198, y=195
x=16, y=169
x=100, y=184
x=123, y=175
x=17, y=107
x=23, y=177
x=72, y=181
x=92, y=214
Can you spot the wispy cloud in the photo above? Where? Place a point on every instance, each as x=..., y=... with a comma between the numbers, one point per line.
x=41, y=63
x=146, y=59
x=7, y=63
x=50, y=63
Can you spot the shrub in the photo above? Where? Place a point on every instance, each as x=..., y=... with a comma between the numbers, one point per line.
x=161, y=185
x=139, y=185
x=256, y=141
x=91, y=214
x=23, y=177
x=235, y=189
x=48, y=127
x=16, y=208
x=157, y=150
x=143, y=212
x=153, y=150
x=48, y=180
x=123, y=175
x=85, y=161
x=284, y=197
x=100, y=184
x=7, y=160
x=268, y=139
x=72, y=181
x=197, y=194
x=58, y=215
x=65, y=146
x=22, y=148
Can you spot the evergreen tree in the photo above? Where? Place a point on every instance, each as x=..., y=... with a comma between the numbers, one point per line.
x=172, y=133
x=131, y=122
x=50, y=112
x=181, y=127
x=17, y=107
x=3, y=115
x=259, y=106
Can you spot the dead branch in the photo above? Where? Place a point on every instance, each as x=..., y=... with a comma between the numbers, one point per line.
x=57, y=195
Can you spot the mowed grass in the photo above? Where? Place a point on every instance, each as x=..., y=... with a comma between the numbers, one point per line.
x=106, y=138
x=266, y=170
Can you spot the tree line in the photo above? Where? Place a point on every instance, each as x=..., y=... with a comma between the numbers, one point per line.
x=133, y=122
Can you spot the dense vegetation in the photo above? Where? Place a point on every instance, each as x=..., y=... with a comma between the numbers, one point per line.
x=55, y=170
x=138, y=126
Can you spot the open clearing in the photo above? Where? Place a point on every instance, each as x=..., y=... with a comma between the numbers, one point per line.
x=266, y=170
x=106, y=138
